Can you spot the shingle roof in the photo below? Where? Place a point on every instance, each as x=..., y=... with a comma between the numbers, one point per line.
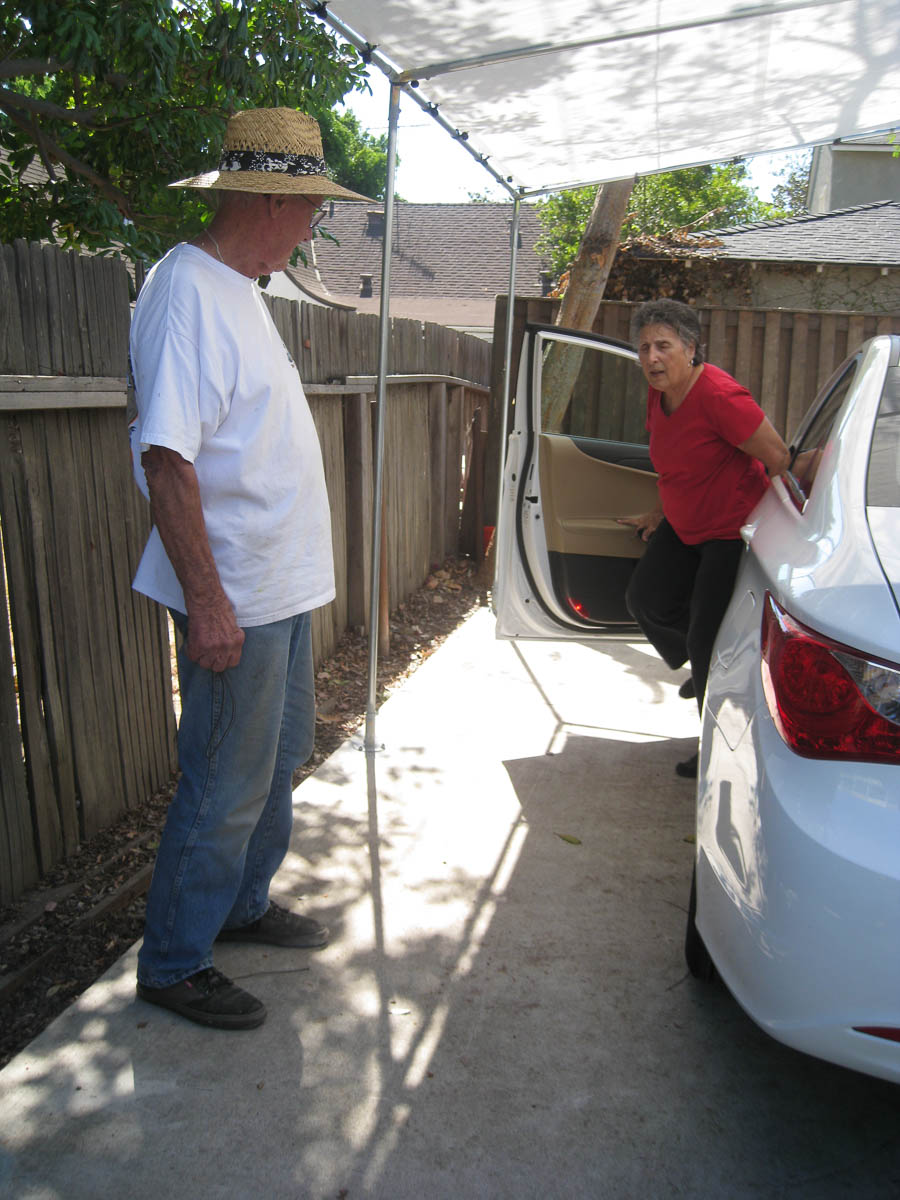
x=866, y=235
x=307, y=279
x=439, y=251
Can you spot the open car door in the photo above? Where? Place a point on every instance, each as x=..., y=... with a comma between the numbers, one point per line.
x=563, y=560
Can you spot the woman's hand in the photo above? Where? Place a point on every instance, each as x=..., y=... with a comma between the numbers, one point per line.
x=644, y=525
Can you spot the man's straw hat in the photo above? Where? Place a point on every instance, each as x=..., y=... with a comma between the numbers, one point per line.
x=272, y=150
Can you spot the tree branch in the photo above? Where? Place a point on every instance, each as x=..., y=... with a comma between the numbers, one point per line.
x=49, y=148
x=75, y=116
x=18, y=68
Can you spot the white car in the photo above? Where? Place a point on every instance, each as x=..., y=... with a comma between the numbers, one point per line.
x=796, y=896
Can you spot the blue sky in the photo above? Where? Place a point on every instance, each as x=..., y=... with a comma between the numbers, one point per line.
x=435, y=169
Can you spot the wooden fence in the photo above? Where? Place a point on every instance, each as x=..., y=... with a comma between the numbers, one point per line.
x=783, y=357
x=86, y=722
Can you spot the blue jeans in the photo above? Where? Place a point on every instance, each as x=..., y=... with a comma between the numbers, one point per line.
x=242, y=734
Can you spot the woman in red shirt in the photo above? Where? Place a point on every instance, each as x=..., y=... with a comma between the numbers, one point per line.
x=712, y=447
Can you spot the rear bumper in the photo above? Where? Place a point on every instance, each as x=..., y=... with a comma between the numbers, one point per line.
x=798, y=892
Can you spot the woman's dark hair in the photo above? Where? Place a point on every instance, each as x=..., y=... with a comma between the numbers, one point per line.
x=676, y=315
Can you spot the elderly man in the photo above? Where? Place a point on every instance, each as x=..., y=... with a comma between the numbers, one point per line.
x=240, y=553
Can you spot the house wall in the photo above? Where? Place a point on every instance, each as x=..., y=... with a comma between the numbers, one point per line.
x=802, y=285
x=736, y=283
x=845, y=176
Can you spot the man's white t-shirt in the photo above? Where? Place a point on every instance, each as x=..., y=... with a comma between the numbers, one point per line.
x=215, y=383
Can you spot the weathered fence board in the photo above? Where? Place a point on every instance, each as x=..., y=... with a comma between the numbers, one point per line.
x=329, y=622
x=18, y=859
x=359, y=482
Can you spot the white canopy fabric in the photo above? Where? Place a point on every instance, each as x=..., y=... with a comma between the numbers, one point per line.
x=565, y=92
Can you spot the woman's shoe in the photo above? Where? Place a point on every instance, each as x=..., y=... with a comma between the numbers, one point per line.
x=688, y=768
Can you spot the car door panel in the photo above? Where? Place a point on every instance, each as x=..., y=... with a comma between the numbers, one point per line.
x=583, y=496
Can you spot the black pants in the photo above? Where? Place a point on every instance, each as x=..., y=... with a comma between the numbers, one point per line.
x=678, y=595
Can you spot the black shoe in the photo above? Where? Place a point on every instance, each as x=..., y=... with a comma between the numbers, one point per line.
x=688, y=768
x=208, y=998
x=278, y=927
x=687, y=691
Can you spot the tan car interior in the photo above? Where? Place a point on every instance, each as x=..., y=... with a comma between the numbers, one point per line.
x=582, y=496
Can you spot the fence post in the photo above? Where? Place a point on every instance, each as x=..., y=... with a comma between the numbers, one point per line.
x=437, y=425
x=472, y=539
x=456, y=434
x=358, y=451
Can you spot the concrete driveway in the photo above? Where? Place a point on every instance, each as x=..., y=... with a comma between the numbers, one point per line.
x=504, y=1009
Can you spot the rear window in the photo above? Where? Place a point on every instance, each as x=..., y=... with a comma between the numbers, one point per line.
x=883, y=482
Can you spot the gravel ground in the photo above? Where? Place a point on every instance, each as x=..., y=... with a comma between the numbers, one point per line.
x=64, y=934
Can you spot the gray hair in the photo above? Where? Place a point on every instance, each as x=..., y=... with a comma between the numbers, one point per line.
x=676, y=315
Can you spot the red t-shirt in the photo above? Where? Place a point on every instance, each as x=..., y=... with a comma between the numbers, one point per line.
x=707, y=486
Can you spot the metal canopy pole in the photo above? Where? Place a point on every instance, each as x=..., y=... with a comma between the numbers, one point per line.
x=507, y=361
x=380, y=392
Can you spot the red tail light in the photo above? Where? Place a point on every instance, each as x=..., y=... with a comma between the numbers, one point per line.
x=828, y=700
x=888, y=1032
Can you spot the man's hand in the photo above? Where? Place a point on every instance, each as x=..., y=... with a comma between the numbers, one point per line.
x=644, y=525
x=214, y=638
x=214, y=641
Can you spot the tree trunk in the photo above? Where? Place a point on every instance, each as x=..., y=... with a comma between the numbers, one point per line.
x=587, y=281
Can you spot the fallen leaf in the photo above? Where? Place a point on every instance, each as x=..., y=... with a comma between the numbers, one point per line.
x=567, y=837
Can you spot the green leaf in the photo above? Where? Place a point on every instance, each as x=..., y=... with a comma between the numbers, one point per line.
x=567, y=837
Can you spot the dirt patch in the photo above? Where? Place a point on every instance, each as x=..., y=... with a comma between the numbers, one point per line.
x=64, y=934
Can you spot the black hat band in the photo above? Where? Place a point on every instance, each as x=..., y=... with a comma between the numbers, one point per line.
x=272, y=161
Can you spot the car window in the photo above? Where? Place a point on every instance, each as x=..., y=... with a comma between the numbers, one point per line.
x=591, y=391
x=813, y=440
x=883, y=482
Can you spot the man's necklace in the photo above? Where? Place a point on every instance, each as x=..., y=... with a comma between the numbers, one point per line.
x=209, y=234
